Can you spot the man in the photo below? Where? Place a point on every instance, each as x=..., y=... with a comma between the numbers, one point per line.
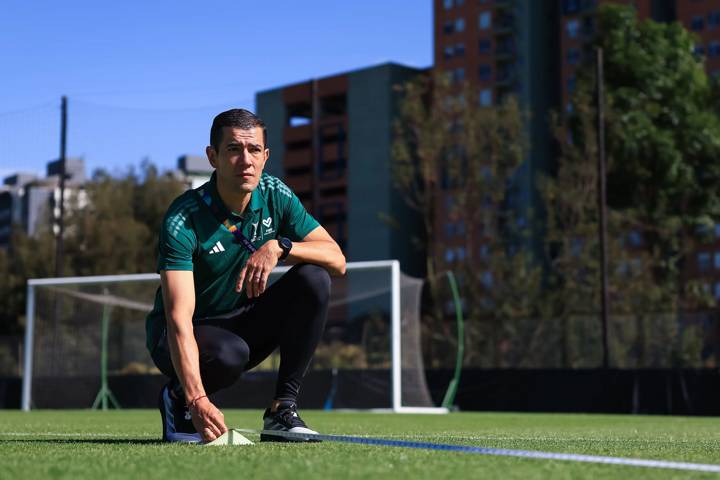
x=214, y=315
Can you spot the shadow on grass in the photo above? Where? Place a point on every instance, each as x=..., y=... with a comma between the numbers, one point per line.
x=97, y=441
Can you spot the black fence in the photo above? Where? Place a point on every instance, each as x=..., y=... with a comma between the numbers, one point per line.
x=658, y=391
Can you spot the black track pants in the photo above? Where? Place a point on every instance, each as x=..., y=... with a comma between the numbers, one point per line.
x=290, y=314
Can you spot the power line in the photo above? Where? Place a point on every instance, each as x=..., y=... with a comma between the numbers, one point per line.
x=36, y=108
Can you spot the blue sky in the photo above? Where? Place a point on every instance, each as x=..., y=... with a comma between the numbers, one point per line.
x=145, y=78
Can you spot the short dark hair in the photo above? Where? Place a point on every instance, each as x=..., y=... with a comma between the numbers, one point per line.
x=237, y=118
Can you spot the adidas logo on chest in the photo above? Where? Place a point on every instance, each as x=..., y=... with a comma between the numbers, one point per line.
x=217, y=248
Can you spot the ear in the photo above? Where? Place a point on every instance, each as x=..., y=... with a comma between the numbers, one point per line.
x=212, y=156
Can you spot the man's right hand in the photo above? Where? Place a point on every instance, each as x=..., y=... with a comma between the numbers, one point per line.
x=207, y=419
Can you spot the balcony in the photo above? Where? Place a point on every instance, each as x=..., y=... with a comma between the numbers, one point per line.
x=504, y=4
x=505, y=51
x=298, y=134
x=504, y=25
x=298, y=159
x=301, y=184
x=506, y=79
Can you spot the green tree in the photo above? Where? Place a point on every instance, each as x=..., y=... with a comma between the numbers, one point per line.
x=663, y=136
x=113, y=229
x=449, y=152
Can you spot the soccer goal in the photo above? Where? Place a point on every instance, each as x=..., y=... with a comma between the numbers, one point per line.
x=86, y=335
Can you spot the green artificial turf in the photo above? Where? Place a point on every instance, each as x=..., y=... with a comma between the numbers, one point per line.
x=124, y=444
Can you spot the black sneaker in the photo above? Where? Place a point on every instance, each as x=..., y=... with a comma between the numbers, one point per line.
x=285, y=419
x=176, y=419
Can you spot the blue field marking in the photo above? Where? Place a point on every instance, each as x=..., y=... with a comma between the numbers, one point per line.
x=570, y=457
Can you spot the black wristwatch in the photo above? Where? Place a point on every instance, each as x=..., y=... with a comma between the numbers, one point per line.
x=286, y=246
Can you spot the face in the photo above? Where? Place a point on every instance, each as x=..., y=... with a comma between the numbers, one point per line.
x=240, y=159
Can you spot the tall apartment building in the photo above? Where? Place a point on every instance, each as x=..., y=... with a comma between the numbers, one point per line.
x=330, y=141
x=505, y=47
x=533, y=48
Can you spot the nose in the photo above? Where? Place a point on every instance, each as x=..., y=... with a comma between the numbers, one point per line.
x=245, y=157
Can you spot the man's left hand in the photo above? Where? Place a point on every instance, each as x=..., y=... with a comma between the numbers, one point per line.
x=257, y=269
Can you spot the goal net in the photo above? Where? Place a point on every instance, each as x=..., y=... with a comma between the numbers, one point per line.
x=85, y=342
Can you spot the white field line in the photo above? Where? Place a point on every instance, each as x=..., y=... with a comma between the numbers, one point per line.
x=435, y=436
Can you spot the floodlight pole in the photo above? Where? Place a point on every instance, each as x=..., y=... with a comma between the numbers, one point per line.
x=61, y=220
x=602, y=203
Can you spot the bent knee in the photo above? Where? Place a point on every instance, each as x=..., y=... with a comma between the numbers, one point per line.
x=232, y=356
x=315, y=279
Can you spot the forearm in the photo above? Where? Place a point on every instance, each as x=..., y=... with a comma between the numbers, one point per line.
x=323, y=253
x=185, y=358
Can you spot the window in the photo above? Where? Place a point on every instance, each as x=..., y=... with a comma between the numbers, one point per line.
x=703, y=260
x=572, y=27
x=576, y=246
x=449, y=51
x=485, y=72
x=634, y=238
x=459, y=49
x=485, y=97
x=570, y=6
x=714, y=49
x=717, y=291
x=449, y=255
x=697, y=23
x=571, y=81
x=717, y=230
x=484, y=251
x=484, y=21
x=460, y=25
x=699, y=50
x=717, y=260
x=459, y=3
x=448, y=27
x=298, y=121
x=459, y=75
x=573, y=56
x=487, y=279
x=448, y=4
x=569, y=108
x=460, y=253
x=449, y=229
x=484, y=45
x=713, y=19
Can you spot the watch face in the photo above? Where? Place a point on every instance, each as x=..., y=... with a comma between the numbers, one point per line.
x=285, y=243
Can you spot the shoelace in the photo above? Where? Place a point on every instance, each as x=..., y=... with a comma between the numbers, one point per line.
x=290, y=417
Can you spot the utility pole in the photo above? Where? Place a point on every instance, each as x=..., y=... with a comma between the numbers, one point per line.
x=602, y=202
x=61, y=220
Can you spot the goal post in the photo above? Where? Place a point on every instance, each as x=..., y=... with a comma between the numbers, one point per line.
x=64, y=337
